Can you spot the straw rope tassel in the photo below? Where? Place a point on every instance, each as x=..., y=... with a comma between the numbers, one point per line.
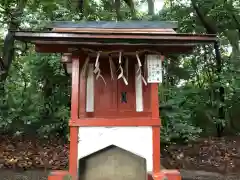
x=97, y=69
x=139, y=62
x=121, y=69
x=139, y=69
x=120, y=50
x=97, y=63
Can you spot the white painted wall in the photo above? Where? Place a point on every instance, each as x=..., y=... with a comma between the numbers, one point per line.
x=137, y=140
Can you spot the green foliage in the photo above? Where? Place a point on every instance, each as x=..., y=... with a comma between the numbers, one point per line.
x=36, y=95
x=177, y=115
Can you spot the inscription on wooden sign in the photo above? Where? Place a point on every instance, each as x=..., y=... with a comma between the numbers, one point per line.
x=154, y=65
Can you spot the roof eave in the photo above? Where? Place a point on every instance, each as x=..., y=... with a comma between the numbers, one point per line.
x=69, y=37
x=161, y=42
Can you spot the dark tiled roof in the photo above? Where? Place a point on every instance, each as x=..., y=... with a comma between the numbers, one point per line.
x=116, y=25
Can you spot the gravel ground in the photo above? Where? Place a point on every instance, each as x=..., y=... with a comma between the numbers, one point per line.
x=41, y=175
x=24, y=175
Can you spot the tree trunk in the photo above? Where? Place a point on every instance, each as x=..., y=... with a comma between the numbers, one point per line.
x=8, y=49
x=118, y=12
x=212, y=29
x=150, y=7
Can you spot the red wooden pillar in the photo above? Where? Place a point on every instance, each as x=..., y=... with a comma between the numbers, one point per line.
x=155, y=132
x=157, y=173
x=73, y=154
x=57, y=175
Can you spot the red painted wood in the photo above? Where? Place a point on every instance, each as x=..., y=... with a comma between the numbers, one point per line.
x=105, y=101
x=107, y=98
x=63, y=48
x=172, y=174
x=75, y=88
x=57, y=175
x=130, y=106
x=116, y=114
x=156, y=130
x=116, y=122
x=110, y=111
x=156, y=176
x=73, y=154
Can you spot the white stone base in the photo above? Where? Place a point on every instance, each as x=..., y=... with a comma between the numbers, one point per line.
x=137, y=140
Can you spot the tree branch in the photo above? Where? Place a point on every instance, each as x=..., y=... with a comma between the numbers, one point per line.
x=8, y=50
x=231, y=11
x=210, y=28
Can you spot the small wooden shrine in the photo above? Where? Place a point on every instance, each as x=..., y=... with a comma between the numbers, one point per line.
x=115, y=69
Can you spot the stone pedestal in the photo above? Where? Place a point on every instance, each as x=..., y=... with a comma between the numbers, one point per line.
x=111, y=163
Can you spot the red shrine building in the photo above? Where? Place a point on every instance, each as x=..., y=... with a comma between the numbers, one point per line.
x=116, y=68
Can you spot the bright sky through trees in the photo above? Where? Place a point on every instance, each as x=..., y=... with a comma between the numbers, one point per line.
x=158, y=5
